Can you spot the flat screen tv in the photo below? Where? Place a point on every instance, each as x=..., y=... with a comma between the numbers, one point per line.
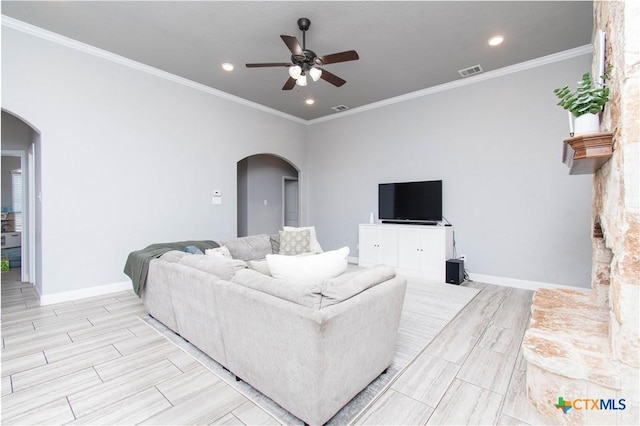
x=410, y=201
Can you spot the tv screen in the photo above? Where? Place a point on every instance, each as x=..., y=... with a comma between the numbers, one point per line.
x=410, y=201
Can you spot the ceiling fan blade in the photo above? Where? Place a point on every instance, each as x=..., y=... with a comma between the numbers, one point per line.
x=290, y=84
x=349, y=55
x=273, y=64
x=332, y=78
x=292, y=44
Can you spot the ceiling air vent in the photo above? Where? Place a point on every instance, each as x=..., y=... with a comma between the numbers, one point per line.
x=340, y=108
x=476, y=69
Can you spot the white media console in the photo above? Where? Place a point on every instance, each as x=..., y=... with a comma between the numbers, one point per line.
x=411, y=249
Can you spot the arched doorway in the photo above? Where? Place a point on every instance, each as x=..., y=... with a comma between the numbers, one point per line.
x=268, y=194
x=20, y=148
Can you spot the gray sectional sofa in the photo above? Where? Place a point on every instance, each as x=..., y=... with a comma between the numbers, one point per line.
x=310, y=347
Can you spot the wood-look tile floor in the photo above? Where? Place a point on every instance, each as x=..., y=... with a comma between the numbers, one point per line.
x=92, y=361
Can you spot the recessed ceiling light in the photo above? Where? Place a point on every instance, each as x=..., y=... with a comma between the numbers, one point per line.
x=227, y=66
x=309, y=101
x=494, y=41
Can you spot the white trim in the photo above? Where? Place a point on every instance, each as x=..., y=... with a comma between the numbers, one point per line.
x=533, y=63
x=103, y=54
x=518, y=283
x=31, y=243
x=66, y=296
x=73, y=44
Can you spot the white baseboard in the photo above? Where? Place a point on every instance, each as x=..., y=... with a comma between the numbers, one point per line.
x=517, y=283
x=66, y=296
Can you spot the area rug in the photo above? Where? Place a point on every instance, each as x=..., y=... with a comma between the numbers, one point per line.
x=428, y=307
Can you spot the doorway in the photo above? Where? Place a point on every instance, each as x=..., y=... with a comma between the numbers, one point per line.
x=290, y=201
x=15, y=232
x=20, y=183
x=263, y=196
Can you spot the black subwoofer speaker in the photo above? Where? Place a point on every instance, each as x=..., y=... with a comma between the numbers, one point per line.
x=455, y=271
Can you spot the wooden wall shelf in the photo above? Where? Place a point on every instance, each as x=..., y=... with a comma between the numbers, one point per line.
x=585, y=154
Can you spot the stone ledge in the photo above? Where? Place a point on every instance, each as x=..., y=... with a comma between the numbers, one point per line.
x=568, y=336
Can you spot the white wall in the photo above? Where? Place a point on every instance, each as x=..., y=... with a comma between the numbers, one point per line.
x=496, y=145
x=128, y=158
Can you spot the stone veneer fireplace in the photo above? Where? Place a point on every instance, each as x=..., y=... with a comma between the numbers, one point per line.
x=587, y=345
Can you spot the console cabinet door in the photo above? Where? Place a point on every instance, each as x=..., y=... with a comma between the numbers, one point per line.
x=422, y=250
x=433, y=252
x=377, y=245
x=409, y=249
x=368, y=252
x=388, y=246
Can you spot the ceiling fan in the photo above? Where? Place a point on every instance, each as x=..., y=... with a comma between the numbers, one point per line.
x=305, y=62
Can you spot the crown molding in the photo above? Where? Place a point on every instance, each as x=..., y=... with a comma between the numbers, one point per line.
x=121, y=60
x=556, y=57
x=91, y=50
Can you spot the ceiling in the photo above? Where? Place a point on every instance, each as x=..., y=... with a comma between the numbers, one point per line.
x=403, y=46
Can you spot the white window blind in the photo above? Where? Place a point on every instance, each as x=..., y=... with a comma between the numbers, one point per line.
x=16, y=186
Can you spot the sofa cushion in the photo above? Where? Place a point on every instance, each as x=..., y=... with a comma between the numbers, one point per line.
x=174, y=255
x=251, y=247
x=347, y=285
x=309, y=269
x=303, y=294
x=259, y=265
x=219, y=266
x=295, y=242
x=315, y=244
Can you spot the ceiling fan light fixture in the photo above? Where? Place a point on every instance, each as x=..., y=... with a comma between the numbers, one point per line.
x=495, y=41
x=227, y=66
x=304, y=61
x=302, y=80
x=295, y=71
x=315, y=73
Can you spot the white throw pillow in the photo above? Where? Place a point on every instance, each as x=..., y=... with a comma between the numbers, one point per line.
x=309, y=269
x=221, y=251
x=315, y=245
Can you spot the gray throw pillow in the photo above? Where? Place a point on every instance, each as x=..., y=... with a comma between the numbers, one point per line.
x=295, y=242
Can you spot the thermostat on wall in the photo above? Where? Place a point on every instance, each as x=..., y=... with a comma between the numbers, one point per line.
x=217, y=197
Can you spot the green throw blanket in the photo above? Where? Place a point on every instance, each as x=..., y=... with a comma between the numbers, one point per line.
x=137, y=264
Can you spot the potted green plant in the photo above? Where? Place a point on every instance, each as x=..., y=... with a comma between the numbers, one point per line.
x=584, y=104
